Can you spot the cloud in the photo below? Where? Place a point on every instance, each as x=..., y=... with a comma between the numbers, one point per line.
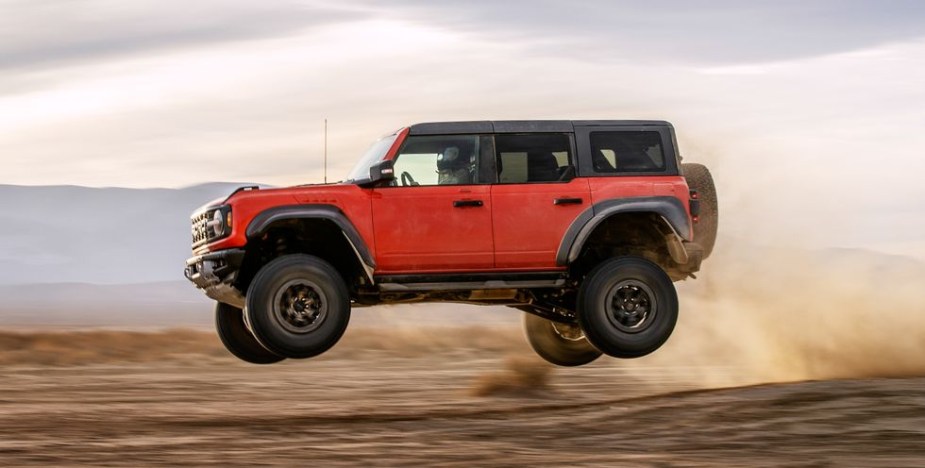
x=56, y=32
x=689, y=31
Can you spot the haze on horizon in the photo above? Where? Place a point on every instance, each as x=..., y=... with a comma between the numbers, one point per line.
x=809, y=113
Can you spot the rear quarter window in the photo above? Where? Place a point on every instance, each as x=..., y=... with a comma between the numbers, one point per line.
x=627, y=152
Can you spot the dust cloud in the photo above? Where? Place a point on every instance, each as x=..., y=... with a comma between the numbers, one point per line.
x=773, y=315
x=778, y=301
x=522, y=376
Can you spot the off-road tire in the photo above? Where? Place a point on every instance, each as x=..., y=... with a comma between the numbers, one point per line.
x=290, y=279
x=616, y=325
x=233, y=333
x=555, y=346
x=699, y=179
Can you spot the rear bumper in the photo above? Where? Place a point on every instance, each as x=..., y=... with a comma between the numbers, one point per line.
x=214, y=273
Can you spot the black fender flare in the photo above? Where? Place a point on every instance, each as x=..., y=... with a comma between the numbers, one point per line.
x=669, y=208
x=260, y=223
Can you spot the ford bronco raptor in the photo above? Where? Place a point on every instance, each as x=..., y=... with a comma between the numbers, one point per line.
x=582, y=225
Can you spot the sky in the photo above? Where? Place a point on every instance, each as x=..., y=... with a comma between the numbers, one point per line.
x=810, y=113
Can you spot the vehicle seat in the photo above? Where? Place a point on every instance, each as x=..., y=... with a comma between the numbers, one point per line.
x=542, y=167
x=634, y=162
x=632, y=159
x=601, y=163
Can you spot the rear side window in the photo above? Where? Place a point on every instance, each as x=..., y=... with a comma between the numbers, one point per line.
x=627, y=151
x=534, y=158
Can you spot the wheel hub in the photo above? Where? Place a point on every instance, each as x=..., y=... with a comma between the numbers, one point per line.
x=300, y=306
x=631, y=306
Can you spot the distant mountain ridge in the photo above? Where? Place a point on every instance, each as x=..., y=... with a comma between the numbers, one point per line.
x=55, y=234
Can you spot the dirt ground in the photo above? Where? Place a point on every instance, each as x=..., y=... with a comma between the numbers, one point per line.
x=376, y=402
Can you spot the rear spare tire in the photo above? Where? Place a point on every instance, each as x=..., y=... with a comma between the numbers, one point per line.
x=298, y=306
x=699, y=179
x=229, y=323
x=627, y=307
x=558, y=343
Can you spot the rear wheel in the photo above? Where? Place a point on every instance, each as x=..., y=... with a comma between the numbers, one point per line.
x=627, y=307
x=298, y=306
x=558, y=343
x=232, y=331
x=699, y=179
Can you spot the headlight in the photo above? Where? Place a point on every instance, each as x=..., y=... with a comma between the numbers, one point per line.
x=217, y=223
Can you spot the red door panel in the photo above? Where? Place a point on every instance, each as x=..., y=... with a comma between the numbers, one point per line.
x=433, y=228
x=529, y=224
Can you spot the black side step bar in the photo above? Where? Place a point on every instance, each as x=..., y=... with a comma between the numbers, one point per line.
x=464, y=286
x=402, y=283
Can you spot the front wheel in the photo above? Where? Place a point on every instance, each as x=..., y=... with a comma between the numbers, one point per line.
x=298, y=306
x=627, y=307
x=229, y=323
x=558, y=343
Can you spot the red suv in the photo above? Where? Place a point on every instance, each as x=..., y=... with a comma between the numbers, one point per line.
x=583, y=225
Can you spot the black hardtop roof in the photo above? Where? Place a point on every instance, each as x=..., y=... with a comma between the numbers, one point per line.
x=524, y=126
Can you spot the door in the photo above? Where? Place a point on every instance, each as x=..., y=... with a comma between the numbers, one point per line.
x=536, y=199
x=436, y=217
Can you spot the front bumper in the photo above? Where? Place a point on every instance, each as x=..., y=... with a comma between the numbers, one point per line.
x=215, y=273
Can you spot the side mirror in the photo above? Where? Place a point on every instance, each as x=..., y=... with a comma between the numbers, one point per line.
x=383, y=170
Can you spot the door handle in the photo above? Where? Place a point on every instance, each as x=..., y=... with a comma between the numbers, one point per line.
x=567, y=201
x=465, y=203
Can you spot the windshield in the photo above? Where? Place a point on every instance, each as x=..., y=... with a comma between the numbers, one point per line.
x=374, y=154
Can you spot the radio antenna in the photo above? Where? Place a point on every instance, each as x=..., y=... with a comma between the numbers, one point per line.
x=325, y=150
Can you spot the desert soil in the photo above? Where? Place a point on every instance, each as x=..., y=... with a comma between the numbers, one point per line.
x=376, y=405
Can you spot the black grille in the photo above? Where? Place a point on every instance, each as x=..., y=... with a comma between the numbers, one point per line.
x=202, y=232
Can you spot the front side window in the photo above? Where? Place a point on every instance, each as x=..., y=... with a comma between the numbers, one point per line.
x=534, y=158
x=627, y=151
x=438, y=160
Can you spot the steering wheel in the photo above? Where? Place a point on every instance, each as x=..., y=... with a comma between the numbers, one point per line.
x=406, y=179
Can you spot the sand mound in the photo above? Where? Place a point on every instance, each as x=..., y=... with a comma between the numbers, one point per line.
x=91, y=347
x=64, y=348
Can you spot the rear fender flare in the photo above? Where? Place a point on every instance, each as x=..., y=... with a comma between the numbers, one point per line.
x=671, y=210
